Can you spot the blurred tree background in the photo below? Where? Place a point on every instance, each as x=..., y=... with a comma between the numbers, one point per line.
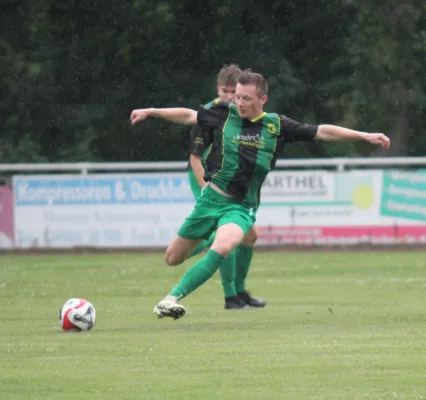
x=72, y=71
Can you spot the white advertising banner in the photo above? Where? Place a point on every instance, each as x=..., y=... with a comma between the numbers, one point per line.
x=100, y=210
x=146, y=210
x=347, y=207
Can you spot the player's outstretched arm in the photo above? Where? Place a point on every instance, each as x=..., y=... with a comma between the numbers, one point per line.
x=337, y=133
x=182, y=116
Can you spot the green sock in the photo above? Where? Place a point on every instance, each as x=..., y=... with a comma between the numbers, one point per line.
x=205, y=244
x=199, y=273
x=227, y=273
x=243, y=260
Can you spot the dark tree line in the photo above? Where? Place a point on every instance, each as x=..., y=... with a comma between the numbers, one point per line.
x=71, y=71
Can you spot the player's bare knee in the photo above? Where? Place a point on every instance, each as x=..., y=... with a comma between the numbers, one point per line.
x=254, y=234
x=222, y=247
x=172, y=259
x=251, y=238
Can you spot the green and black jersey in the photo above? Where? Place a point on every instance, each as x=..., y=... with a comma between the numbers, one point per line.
x=200, y=137
x=243, y=151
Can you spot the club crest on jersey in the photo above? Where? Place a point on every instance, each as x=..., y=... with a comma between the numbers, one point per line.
x=271, y=129
x=257, y=140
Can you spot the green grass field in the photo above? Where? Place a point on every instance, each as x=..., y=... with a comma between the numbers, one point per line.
x=337, y=326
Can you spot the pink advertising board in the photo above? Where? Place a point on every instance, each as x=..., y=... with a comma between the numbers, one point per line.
x=6, y=217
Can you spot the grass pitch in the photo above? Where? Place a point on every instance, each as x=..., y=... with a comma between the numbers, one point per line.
x=337, y=326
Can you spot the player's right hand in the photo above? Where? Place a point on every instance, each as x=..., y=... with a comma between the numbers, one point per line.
x=139, y=115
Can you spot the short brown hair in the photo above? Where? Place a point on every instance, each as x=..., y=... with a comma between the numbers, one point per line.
x=248, y=77
x=228, y=75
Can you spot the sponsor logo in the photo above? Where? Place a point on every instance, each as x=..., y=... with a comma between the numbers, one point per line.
x=101, y=190
x=257, y=141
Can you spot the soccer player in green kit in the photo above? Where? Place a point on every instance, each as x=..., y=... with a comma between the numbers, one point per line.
x=236, y=166
x=234, y=269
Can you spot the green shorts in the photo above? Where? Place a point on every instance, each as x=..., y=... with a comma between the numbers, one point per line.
x=195, y=187
x=213, y=210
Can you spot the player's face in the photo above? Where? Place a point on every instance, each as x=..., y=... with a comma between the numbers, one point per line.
x=226, y=93
x=249, y=103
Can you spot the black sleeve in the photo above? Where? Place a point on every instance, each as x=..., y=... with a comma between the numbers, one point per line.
x=293, y=131
x=213, y=117
x=199, y=140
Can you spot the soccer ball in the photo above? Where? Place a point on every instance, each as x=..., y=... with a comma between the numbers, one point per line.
x=77, y=315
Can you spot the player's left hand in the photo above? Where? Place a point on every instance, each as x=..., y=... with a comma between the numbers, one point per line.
x=139, y=115
x=379, y=139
